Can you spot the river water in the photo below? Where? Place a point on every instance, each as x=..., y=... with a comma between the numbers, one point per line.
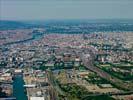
x=18, y=89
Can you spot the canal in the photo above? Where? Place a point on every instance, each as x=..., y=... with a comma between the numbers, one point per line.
x=18, y=89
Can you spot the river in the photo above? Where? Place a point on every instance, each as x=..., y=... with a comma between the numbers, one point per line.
x=34, y=37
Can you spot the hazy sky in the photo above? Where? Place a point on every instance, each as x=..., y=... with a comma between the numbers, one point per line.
x=65, y=9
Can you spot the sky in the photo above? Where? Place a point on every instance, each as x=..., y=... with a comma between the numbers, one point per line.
x=65, y=9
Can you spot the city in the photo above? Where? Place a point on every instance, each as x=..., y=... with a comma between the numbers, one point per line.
x=66, y=50
x=38, y=64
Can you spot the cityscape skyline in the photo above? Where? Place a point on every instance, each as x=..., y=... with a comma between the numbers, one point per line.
x=66, y=50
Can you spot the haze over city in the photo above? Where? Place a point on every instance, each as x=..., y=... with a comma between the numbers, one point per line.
x=66, y=50
x=65, y=9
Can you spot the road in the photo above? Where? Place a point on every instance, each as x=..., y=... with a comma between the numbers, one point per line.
x=109, y=94
x=88, y=63
x=55, y=87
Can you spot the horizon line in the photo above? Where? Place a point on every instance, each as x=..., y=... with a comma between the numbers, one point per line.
x=66, y=19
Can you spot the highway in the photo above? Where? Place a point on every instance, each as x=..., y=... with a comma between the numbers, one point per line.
x=55, y=87
x=88, y=63
x=52, y=93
